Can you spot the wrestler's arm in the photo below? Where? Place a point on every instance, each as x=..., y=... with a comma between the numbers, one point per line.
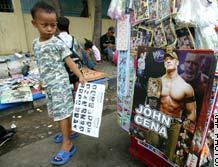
x=190, y=103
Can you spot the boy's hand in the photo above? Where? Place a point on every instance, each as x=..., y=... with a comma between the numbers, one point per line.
x=82, y=79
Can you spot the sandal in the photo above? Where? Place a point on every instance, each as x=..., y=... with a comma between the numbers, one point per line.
x=58, y=138
x=6, y=135
x=63, y=157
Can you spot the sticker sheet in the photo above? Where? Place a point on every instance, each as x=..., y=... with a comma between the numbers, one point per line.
x=88, y=108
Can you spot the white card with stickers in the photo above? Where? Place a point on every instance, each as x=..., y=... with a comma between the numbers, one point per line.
x=88, y=106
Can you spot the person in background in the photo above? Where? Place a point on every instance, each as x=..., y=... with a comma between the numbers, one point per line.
x=71, y=42
x=87, y=56
x=51, y=54
x=95, y=50
x=107, y=43
x=192, y=74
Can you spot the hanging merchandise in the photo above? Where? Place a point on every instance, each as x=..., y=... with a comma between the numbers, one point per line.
x=123, y=33
x=163, y=8
x=124, y=104
x=144, y=36
x=169, y=31
x=184, y=39
x=165, y=117
x=142, y=11
x=165, y=101
x=153, y=9
x=159, y=35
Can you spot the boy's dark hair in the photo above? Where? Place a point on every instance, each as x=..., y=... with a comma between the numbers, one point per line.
x=88, y=44
x=63, y=24
x=41, y=5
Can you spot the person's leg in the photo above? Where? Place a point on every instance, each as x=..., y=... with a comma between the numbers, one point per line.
x=65, y=127
x=110, y=53
x=173, y=135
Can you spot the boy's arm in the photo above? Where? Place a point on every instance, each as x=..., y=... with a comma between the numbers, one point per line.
x=73, y=67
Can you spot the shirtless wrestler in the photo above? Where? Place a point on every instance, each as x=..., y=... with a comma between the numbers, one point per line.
x=177, y=96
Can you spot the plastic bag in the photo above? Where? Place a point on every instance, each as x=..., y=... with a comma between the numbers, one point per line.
x=210, y=37
x=198, y=12
x=116, y=9
x=186, y=12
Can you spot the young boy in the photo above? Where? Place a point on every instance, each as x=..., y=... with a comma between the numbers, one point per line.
x=51, y=53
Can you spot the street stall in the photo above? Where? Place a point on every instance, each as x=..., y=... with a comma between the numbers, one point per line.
x=167, y=78
x=20, y=80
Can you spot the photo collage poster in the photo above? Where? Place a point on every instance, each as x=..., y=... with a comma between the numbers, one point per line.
x=141, y=11
x=123, y=33
x=153, y=9
x=159, y=35
x=145, y=36
x=169, y=115
x=124, y=104
x=169, y=31
x=88, y=106
x=163, y=8
x=185, y=39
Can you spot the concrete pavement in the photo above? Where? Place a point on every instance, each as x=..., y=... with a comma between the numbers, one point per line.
x=109, y=150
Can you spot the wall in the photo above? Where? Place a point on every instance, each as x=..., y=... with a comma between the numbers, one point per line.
x=17, y=32
x=12, y=34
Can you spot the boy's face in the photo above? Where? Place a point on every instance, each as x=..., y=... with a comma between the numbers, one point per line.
x=46, y=24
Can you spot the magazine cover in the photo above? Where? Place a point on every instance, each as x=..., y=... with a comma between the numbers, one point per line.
x=170, y=104
x=169, y=31
x=133, y=41
x=145, y=36
x=153, y=9
x=184, y=39
x=141, y=10
x=159, y=35
x=163, y=8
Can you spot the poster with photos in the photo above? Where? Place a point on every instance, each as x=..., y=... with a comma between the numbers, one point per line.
x=184, y=39
x=134, y=42
x=153, y=8
x=170, y=120
x=145, y=36
x=169, y=31
x=163, y=8
x=141, y=10
x=159, y=35
x=88, y=106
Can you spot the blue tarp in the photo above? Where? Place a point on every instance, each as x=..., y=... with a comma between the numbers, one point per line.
x=37, y=96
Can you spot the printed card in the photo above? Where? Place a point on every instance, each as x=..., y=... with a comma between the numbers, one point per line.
x=88, y=108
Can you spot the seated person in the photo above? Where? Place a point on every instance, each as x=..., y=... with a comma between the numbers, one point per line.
x=87, y=56
x=107, y=42
x=95, y=50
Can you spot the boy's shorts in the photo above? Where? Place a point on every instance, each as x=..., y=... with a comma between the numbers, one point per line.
x=60, y=101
